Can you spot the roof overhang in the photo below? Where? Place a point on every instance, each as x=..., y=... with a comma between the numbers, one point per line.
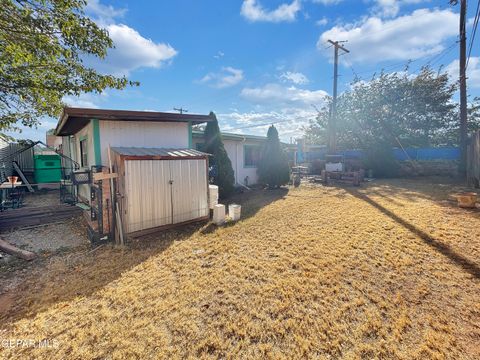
x=232, y=136
x=74, y=119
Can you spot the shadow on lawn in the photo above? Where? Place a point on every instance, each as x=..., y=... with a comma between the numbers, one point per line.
x=444, y=249
x=65, y=277
x=438, y=189
x=251, y=201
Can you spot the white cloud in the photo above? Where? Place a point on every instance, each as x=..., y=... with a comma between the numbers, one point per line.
x=287, y=107
x=287, y=120
x=133, y=51
x=388, y=7
x=391, y=8
x=327, y=2
x=473, y=72
x=228, y=76
x=276, y=94
x=85, y=100
x=295, y=77
x=254, y=11
x=322, y=22
x=219, y=55
x=406, y=37
x=103, y=13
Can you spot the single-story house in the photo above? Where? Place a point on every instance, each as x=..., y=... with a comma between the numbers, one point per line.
x=87, y=134
x=243, y=151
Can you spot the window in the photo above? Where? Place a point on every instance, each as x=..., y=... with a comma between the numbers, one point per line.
x=251, y=155
x=83, y=153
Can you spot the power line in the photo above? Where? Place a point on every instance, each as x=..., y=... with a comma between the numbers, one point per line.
x=474, y=31
x=260, y=125
x=437, y=56
x=435, y=59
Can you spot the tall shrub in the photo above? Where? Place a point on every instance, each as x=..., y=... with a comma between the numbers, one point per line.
x=380, y=159
x=273, y=169
x=222, y=171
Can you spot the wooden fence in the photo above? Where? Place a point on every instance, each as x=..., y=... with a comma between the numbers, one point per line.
x=473, y=160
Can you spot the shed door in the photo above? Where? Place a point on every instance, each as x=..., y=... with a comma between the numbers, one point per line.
x=149, y=197
x=189, y=189
x=163, y=192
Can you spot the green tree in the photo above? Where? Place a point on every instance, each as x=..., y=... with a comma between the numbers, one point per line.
x=42, y=47
x=222, y=171
x=414, y=110
x=273, y=169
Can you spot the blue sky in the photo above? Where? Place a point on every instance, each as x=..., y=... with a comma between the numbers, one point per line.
x=256, y=62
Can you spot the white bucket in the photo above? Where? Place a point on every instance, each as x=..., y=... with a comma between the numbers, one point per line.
x=234, y=211
x=213, y=197
x=219, y=214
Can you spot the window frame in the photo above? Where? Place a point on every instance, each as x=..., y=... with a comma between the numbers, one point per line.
x=245, y=146
x=83, y=152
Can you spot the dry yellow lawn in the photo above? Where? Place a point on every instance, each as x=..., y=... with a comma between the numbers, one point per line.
x=390, y=270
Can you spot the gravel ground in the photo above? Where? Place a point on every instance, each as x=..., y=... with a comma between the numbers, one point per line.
x=50, y=237
x=42, y=198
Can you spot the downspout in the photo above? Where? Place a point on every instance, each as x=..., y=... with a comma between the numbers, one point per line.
x=236, y=162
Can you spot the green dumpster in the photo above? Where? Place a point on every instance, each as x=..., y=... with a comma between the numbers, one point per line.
x=47, y=168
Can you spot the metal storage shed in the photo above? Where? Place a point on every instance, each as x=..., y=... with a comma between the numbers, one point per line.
x=160, y=187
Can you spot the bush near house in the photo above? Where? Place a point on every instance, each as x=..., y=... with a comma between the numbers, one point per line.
x=222, y=171
x=273, y=169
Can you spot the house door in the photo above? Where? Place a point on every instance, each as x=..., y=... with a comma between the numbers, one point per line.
x=164, y=192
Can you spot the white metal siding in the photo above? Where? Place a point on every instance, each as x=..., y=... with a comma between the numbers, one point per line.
x=141, y=134
x=152, y=201
x=189, y=189
x=234, y=149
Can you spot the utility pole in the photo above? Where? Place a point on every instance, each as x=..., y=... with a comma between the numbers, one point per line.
x=180, y=110
x=463, y=84
x=332, y=120
x=463, y=88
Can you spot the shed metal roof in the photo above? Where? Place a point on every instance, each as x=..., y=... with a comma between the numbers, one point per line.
x=158, y=152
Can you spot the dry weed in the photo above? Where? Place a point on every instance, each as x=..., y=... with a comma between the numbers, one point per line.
x=387, y=271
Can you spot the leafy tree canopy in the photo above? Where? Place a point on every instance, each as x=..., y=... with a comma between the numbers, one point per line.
x=42, y=47
x=273, y=169
x=400, y=107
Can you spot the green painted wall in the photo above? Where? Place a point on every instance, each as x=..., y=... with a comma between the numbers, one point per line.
x=96, y=141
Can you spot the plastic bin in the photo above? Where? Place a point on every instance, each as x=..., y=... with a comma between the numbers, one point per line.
x=47, y=168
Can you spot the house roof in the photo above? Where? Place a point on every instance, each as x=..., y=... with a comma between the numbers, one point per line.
x=232, y=136
x=74, y=119
x=141, y=152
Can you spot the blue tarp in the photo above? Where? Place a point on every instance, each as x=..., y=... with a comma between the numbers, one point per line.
x=437, y=153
